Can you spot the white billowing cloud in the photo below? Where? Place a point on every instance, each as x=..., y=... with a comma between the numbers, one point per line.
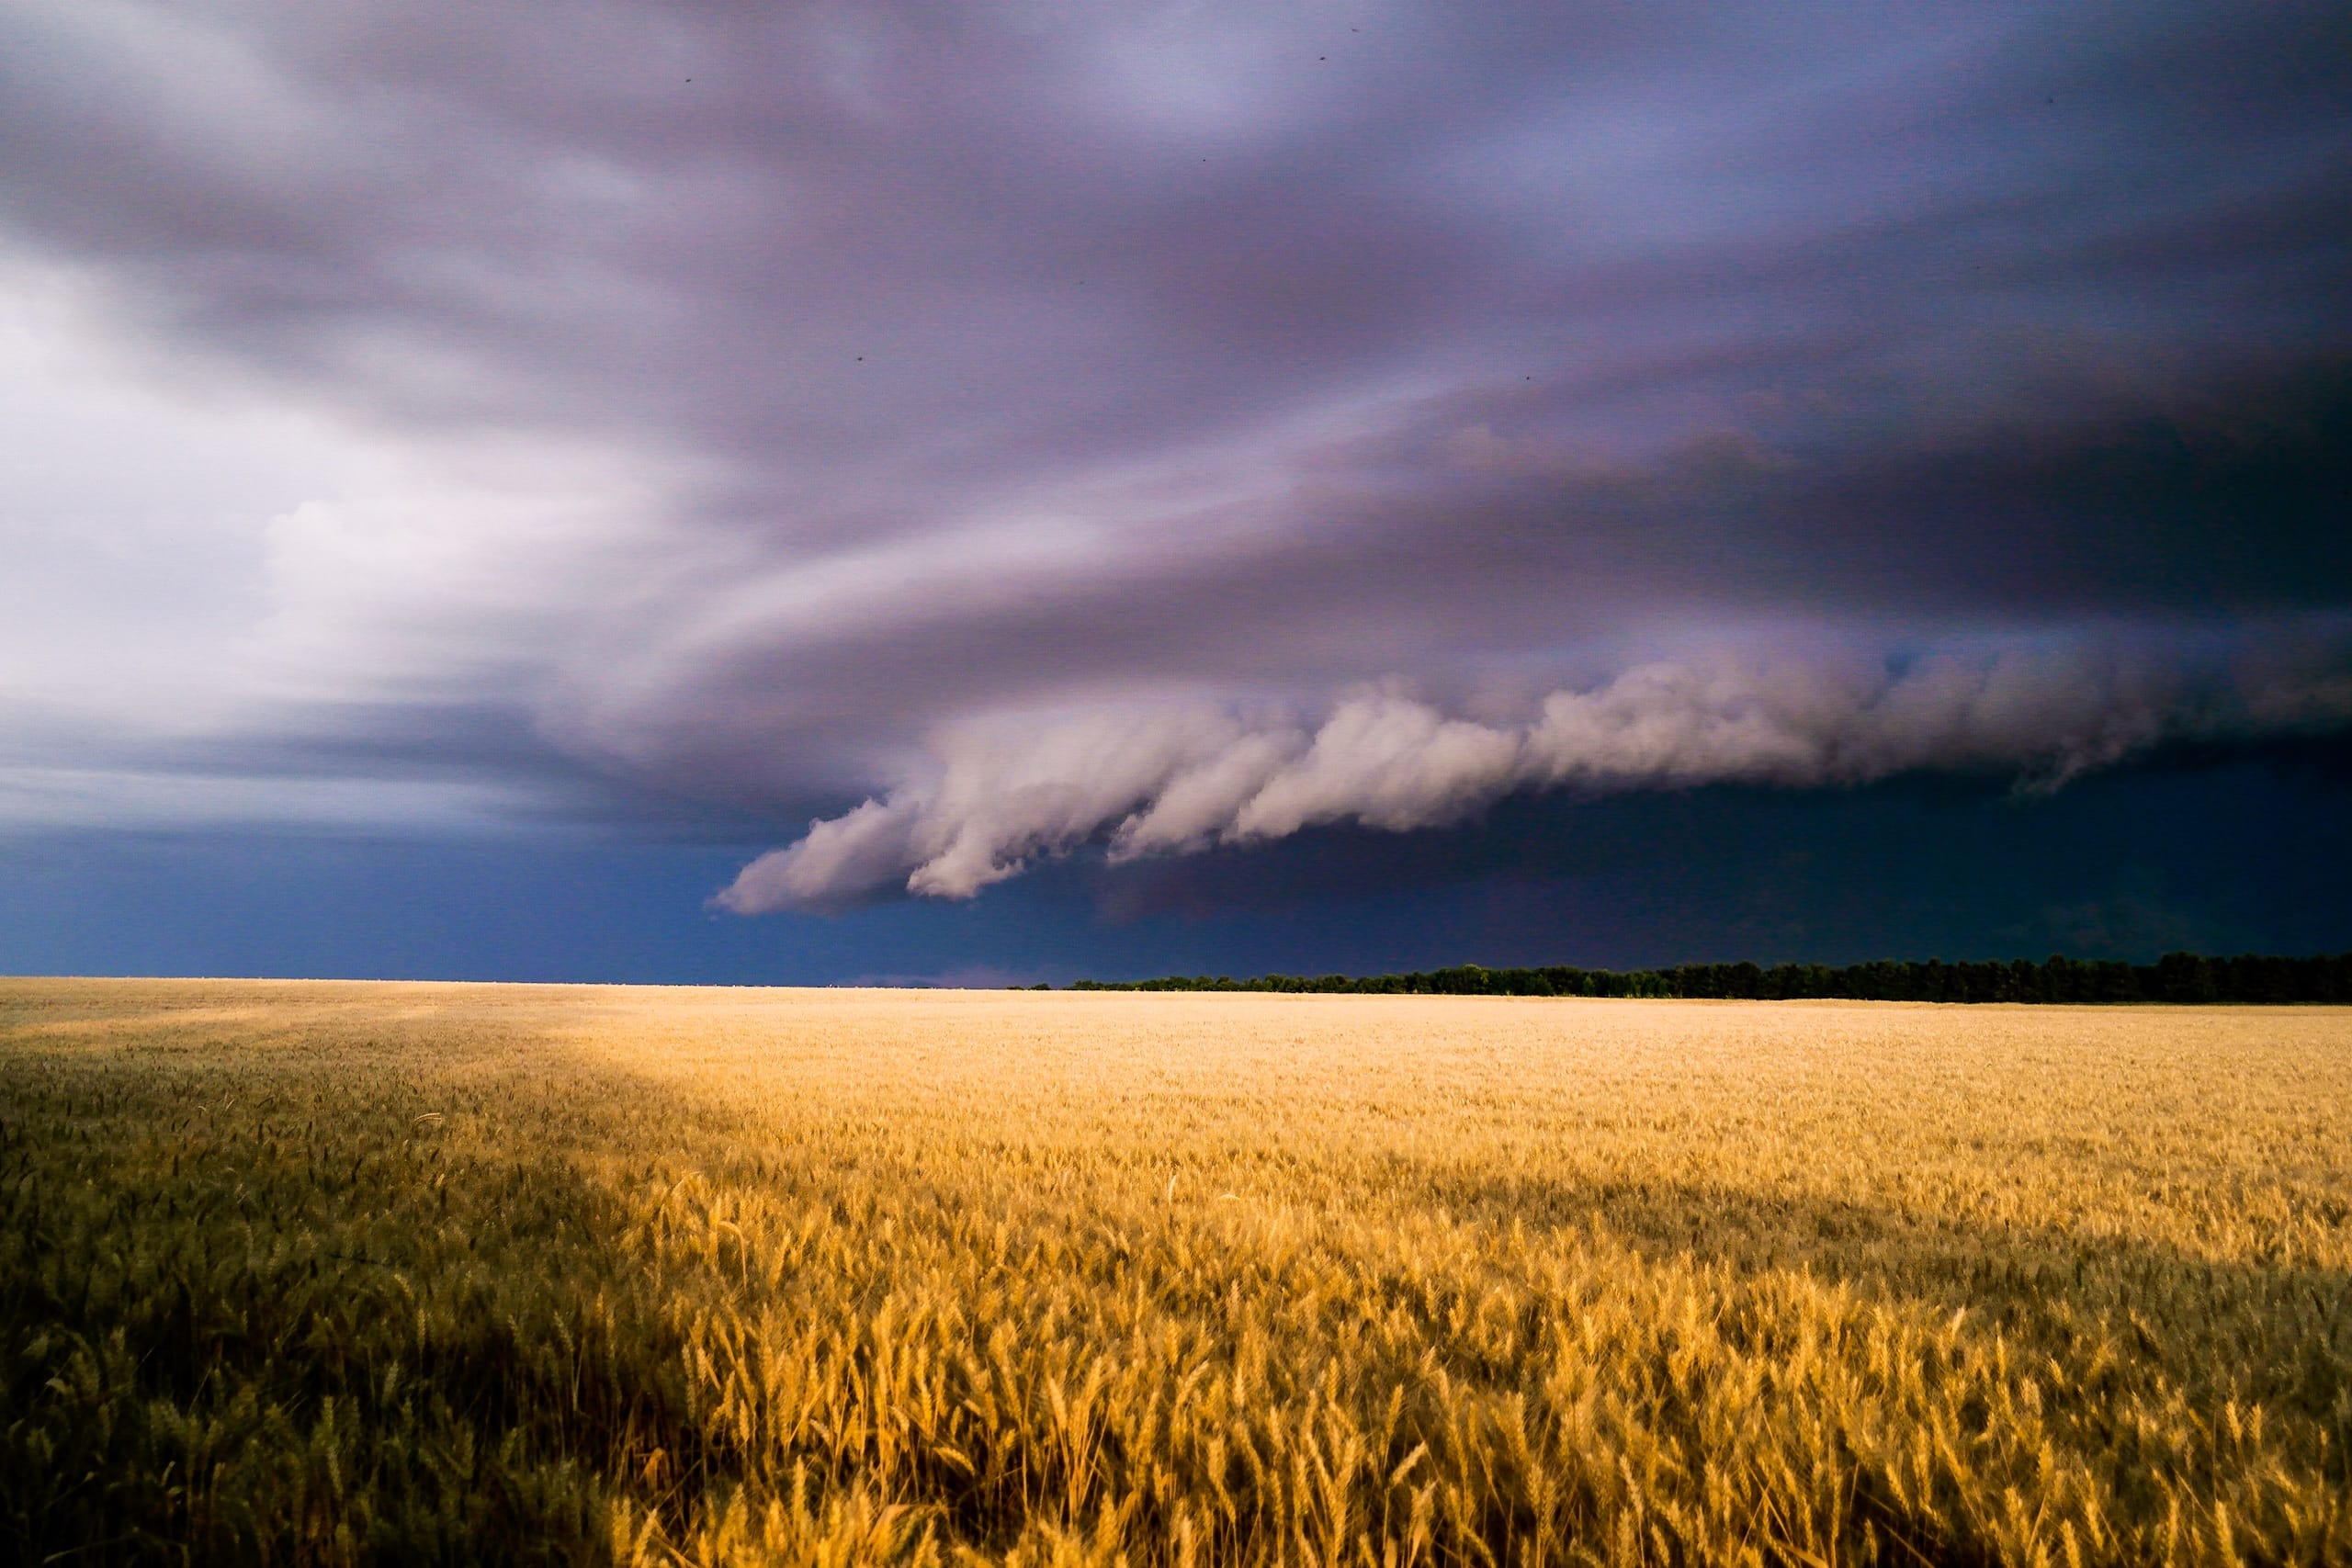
x=1006, y=791
x=2046, y=713
x=843, y=856
x=1387, y=762
x=1184, y=779
x=1193, y=808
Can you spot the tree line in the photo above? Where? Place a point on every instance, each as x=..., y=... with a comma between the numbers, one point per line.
x=2174, y=977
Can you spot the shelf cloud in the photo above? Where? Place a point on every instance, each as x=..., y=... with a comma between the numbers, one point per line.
x=1188, y=778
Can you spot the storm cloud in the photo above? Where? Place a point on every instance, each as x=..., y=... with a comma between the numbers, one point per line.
x=1156, y=426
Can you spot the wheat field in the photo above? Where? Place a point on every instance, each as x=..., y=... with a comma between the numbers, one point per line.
x=330, y=1273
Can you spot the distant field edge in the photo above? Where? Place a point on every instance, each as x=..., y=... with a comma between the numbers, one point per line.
x=2261, y=979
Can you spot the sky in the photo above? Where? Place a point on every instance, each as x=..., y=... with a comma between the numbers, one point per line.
x=914, y=494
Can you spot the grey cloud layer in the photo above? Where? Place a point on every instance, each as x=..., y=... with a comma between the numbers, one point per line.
x=1190, y=366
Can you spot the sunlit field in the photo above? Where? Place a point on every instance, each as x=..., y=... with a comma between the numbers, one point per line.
x=349, y=1273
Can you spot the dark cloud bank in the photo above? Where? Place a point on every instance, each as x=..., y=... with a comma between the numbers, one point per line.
x=1164, y=431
